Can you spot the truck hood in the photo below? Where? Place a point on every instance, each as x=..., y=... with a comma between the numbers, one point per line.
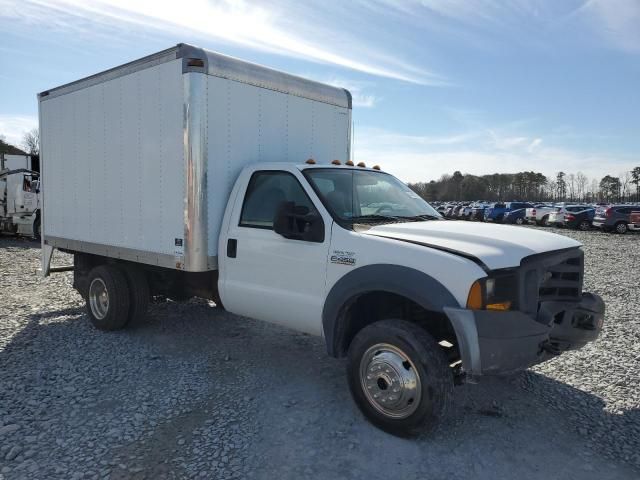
x=496, y=246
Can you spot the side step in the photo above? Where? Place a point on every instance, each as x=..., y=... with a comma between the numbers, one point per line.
x=63, y=268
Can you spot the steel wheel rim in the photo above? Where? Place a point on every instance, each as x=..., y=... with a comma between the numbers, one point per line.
x=98, y=298
x=390, y=381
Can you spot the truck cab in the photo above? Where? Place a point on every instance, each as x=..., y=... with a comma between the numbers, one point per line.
x=351, y=249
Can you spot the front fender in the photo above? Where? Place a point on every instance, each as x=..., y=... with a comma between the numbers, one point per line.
x=415, y=285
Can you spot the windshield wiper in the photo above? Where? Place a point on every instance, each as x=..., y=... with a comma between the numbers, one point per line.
x=393, y=218
x=374, y=218
x=417, y=218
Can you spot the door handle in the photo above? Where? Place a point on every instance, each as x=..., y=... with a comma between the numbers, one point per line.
x=232, y=247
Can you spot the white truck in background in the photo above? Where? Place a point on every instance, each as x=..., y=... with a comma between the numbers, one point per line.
x=190, y=173
x=19, y=196
x=539, y=214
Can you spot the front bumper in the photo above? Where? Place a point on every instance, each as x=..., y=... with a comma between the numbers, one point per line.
x=492, y=342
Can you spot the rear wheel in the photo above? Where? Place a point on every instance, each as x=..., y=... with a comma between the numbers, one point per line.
x=519, y=220
x=108, y=298
x=399, y=377
x=545, y=221
x=621, y=227
x=138, y=292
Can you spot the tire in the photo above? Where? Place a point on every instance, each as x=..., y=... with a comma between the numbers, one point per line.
x=621, y=228
x=500, y=218
x=139, y=294
x=408, y=354
x=37, y=232
x=545, y=221
x=520, y=221
x=584, y=225
x=108, y=312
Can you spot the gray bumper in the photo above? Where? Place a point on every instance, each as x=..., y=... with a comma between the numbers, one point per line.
x=492, y=342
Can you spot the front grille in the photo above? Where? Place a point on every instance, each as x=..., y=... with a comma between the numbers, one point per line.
x=562, y=281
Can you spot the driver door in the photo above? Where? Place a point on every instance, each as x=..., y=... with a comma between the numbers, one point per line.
x=265, y=275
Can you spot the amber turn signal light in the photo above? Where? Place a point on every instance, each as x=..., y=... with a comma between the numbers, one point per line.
x=474, y=300
x=502, y=306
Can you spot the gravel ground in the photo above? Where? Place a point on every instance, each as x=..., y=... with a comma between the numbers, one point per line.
x=194, y=392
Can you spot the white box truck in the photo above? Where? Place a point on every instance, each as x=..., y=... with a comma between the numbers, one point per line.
x=19, y=196
x=189, y=173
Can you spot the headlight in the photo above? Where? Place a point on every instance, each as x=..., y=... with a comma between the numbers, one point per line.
x=498, y=292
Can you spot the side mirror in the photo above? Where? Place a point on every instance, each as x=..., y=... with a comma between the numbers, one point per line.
x=296, y=222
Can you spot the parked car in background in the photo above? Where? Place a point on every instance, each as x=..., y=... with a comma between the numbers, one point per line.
x=634, y=220
x=580, y=220
x=441, y=209
x=477, y=211
x=539, y=214
x=557, y=216
x=614, y=218
x=465, y=212
x=449, y=210
x=496, y=212
x=516, y=217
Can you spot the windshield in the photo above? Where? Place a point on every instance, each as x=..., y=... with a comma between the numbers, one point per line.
x=362, y=195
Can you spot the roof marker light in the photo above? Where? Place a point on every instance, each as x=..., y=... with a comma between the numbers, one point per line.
x=349, y=163
x=376, y=167
x=336, y=162
x=362, y=165
x=311, y=161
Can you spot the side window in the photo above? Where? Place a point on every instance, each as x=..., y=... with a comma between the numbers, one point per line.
x=266, y=191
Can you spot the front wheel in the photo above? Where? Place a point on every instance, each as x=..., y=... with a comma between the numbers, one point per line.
x=399, y=377
x=584, y=225
x=519, y=220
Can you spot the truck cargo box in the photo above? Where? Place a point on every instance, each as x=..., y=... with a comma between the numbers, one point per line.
x=138, y=161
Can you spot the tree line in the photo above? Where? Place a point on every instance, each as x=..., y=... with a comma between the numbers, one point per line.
x=534, y=186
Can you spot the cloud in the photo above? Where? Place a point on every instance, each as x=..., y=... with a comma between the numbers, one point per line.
x=425, y=158
x=535, y=143
x=358, y=89
x=13, y=127
x=271, y=29
x=618, y=21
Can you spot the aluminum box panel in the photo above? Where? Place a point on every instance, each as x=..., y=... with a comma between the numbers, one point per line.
x=113, y=164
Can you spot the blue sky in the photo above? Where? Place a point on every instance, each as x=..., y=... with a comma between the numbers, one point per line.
x=439, y=85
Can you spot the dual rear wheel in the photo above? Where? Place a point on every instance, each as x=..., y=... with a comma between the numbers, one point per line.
x=116, y=296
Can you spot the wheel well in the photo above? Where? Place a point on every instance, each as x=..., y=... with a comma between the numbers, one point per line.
x=370, y=307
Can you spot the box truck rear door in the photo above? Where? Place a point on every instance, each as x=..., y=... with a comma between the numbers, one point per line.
x=265, y=275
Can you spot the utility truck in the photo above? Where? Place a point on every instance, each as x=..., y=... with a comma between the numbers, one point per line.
x=190, y=173
x=19, y=196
